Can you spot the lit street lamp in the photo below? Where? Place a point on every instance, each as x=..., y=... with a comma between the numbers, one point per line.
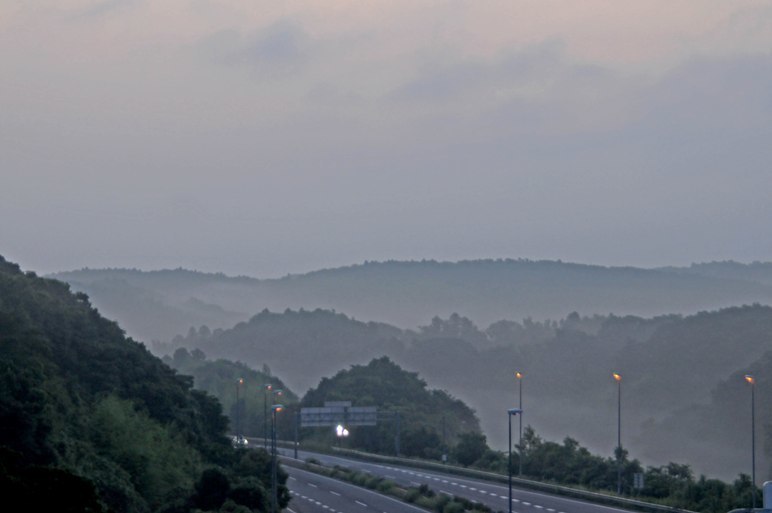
x=266, y=388
x=238, y=411
x=510, y=412
x=274, y=488
x=752, y=381
x=519, y=376
x=618, y=378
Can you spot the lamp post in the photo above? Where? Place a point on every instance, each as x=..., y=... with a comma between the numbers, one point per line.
x=239, y=382
x=519, y=376
x=274, y=486
x=752, y=381
x=618, y=378
x=266, y=388
x=510, y=412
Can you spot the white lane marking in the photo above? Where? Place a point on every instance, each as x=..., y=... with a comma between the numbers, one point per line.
x=325, y=506
x=454, y=484
x=515, y=500
x=402, y=504
x=503, y=497
x=538, y=507
x=483, y=492
x=551, y=510
x=292, y=479
x=445, y=481
x=361, y=503
x=526, y=503
x=312, y=485
x=290, y=510
x=335, y=493
x=473, y=489
x=446, y=493
x=462, y=486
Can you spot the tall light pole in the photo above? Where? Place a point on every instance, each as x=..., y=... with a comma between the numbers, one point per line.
x=266, y=388
x=618, y=379
x=274, y=485
x=510, y=412
x=752, y=381
x=238, y=411
x=519, y=376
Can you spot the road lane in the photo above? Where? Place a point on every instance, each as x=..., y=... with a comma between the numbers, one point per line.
x=492, y=494
x=313, y=493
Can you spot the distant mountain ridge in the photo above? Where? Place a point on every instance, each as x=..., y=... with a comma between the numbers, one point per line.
x=160, y=304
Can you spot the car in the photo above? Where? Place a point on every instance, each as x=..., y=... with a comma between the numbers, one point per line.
x=239, y=441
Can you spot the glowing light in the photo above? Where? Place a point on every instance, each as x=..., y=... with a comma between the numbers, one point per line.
x=750, y=379
x=519, y=375
x=617, y=377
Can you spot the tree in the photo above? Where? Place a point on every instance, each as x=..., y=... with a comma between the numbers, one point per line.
x=470, y=448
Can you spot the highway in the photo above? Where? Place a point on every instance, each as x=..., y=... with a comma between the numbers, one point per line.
x=312, y=493
x=492, y=494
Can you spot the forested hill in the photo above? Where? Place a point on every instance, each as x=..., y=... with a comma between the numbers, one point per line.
x=669, y=363
x=161, y=304
x=91, y=421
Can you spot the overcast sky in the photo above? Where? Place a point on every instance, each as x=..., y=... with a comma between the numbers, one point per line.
x=272, y=137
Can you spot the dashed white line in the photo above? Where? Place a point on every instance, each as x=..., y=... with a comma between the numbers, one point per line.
x=526, y=503
x=312, y=485
x=335, y=493
x=538, y=507
x=361, y=503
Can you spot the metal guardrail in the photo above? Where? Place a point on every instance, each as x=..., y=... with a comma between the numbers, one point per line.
x=567, y=491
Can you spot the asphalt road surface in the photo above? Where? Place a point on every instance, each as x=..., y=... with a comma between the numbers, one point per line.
x=312, y=493
x=492, y=494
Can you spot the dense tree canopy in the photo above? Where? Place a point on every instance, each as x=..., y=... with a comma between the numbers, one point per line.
x=92, y=417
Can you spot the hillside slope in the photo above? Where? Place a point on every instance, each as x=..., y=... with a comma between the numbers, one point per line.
x=91, y=421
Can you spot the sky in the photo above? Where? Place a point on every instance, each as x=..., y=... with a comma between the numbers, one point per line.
x=264, y=138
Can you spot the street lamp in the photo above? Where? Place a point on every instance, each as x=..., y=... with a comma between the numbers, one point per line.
x=274, y=488
x=510, y=412
x=519, y=376
x=752, y=381
x=618, y=378
x=239, y=382
x=267, y=388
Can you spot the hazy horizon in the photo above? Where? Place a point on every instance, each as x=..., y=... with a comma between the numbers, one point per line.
x=269, y=139
x=365, y=262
